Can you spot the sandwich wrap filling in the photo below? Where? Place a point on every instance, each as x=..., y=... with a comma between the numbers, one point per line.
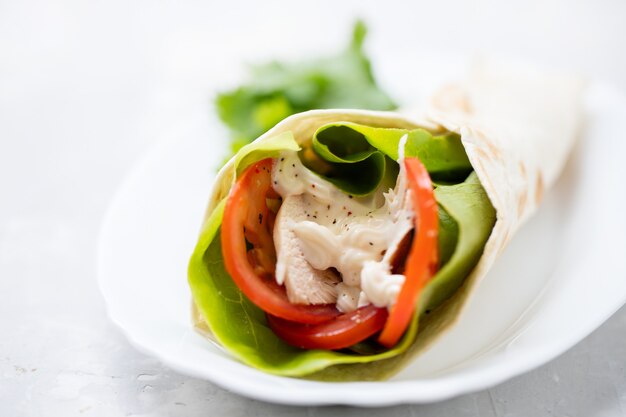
x=492, y=146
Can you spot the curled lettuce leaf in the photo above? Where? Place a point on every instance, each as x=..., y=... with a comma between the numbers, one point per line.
x=466, y=220
x=351, y=143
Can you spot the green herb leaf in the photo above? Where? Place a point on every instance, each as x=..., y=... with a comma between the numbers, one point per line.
x=278, y=90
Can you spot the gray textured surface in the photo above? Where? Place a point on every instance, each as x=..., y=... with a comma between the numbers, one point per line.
x=85, y=88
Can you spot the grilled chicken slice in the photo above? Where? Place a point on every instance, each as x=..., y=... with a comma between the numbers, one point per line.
x=304, y=284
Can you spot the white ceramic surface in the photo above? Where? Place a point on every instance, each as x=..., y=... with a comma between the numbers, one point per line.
x=561, y=277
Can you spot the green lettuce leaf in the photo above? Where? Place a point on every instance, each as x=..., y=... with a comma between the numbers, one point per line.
x=354, y=157
x=271, y=148
x=467, y=203
x=340, y=143
x=278, y=90
x=352, y=164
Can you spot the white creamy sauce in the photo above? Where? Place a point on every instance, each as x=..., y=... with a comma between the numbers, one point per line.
x=356, y=236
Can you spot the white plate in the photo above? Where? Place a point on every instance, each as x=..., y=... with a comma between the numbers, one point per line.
x=562, y=276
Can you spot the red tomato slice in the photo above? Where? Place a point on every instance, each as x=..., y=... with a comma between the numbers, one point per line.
x=421, y=264
x=341, y=332
x=247, y=218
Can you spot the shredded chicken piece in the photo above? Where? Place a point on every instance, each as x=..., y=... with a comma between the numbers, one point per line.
x=304, y=284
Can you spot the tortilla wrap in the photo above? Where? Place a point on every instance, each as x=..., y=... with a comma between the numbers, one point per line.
x=517, y=127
